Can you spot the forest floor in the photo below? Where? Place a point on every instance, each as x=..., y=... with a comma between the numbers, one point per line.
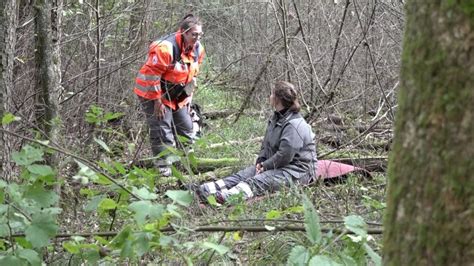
x=224, y=138
x=334, y=199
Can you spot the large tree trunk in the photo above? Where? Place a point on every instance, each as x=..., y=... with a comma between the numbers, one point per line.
x=430, y=217
x=48, y=34
x=8, y=22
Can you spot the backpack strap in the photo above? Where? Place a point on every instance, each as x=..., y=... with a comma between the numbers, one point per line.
x=176, y=52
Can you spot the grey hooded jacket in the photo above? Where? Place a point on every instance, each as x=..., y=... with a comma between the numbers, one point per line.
x=288, y=145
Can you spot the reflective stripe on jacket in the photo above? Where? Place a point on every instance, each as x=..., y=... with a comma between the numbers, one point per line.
x=167, y=70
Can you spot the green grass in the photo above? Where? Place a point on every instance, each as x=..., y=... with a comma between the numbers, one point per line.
x=225, y=130
x=333, y=202
x=215, y=98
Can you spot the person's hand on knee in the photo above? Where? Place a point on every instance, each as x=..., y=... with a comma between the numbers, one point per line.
x=259, y=168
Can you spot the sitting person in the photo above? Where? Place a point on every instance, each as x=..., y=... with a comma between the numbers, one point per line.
x=287, y=154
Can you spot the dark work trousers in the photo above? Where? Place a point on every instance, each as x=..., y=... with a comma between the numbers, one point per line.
x=268, y=181
x=163, y=131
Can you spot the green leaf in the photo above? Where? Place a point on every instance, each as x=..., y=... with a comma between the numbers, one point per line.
x=142, y=243
x=221, y=249
x=166, y=241
x=30, y=255
x=22, y=242
x=3, y=209
x=93, y=203
x=295, y=209
x=88, y=192
x=176, y=173
x=173, y=210
x=102, y=144
x=109, y=168
x=14, y=192
x=180, y=196
x=91, y=256
x=273, y=214
x=144, y=193
x=107, y=204
x=145, y=208
x=192, y=159
x=373, y=255
x=93, y=114
x=43, y=226
x=127, y=249
x=85, y=171
x=299, y=255
x=311, y=221
x=8, y=118
x=109, y=116
x=120, y=168
x=120, y=239
x=10, y=260
x=211, y=199
x=319, y=260
x=28, y=155
x=71, y=247
x=40, y=170
x=356, y=224
x=102, y=180
x=41, y=196
x=348, y=260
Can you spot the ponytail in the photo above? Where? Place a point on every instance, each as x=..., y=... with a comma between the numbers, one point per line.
x=288, y=95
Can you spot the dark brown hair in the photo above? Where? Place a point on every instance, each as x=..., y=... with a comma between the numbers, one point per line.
x=287, y=94
x=189, y=21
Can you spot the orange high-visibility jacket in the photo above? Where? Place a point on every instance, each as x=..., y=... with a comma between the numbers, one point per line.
x=167, y=70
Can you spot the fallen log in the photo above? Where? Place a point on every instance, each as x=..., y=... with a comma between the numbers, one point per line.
x=225, y=113
x=358, y=128
x=372, y=164
x=336, y=142
x=197, y=178
x=198, y=164
x=234, y=142
x=218, y=114
x=211, y=164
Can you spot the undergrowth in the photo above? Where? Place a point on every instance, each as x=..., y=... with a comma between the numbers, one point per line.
x=110, y=211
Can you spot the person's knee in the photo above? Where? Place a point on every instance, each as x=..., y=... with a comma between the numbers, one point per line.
x=267, y=182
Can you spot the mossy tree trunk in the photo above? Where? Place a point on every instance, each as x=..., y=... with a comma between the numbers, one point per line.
x=8, y=23
x=430, y=208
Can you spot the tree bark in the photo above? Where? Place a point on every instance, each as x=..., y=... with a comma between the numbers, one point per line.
x=430, y=204
x=48, y=75
x=8, y=22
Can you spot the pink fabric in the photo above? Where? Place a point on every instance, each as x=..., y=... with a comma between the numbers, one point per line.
x=329, y=169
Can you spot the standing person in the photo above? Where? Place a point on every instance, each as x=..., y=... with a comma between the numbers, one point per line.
x=287, y=154
x=165, y=84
